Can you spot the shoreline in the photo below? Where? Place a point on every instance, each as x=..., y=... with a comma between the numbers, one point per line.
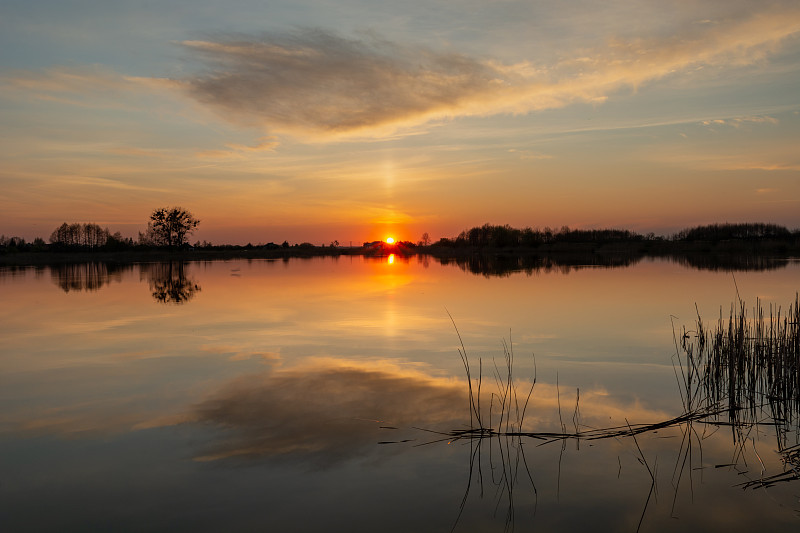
x=738, y=251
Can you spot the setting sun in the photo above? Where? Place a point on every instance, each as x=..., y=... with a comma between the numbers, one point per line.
x=390, y=240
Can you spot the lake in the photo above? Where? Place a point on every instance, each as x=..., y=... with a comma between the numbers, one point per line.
x=326, y=394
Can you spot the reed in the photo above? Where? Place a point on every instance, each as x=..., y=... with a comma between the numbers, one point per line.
x=748, y=362
x=742, y=373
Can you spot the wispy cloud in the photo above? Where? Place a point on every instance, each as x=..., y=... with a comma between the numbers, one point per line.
x=239, y=151
x=740, y=121
x=315, y=83
x=133, y=151
x=85, y=85
x=528, y=154
x=106, y=183
x=86, y=79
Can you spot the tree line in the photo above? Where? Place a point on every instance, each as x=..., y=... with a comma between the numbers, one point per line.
x=167, y=227
x=505, y=236
x=86, y=235
x=490, y=236
x=749, y=232
x=170, y=227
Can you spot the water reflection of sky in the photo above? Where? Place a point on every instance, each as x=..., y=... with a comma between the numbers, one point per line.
x=264, y=395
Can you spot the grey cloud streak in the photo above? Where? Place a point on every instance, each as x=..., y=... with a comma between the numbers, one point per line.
x=317, y=81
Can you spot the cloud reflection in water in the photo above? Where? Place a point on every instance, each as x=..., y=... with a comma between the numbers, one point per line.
x=327, y=412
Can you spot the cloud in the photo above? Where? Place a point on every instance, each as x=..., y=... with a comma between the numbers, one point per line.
x=91, y=86
x=133, y=151
x=315, y=81
x=317, y=84
x=84, y=79
x=738, y=122
x=528, y=154
x=239, y=151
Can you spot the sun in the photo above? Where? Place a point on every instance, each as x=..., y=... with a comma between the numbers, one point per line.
x=389, y=240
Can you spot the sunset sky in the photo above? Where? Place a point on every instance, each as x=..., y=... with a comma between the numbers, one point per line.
x=315, y=120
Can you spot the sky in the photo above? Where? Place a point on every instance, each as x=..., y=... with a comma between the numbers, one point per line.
x=354, y=120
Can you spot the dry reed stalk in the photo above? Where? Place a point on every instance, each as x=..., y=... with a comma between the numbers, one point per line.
x=741, y=368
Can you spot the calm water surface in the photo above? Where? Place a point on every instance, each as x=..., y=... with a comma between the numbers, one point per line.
x=289, y=396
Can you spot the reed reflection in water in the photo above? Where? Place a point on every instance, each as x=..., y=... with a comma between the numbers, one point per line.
x=743, y=375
